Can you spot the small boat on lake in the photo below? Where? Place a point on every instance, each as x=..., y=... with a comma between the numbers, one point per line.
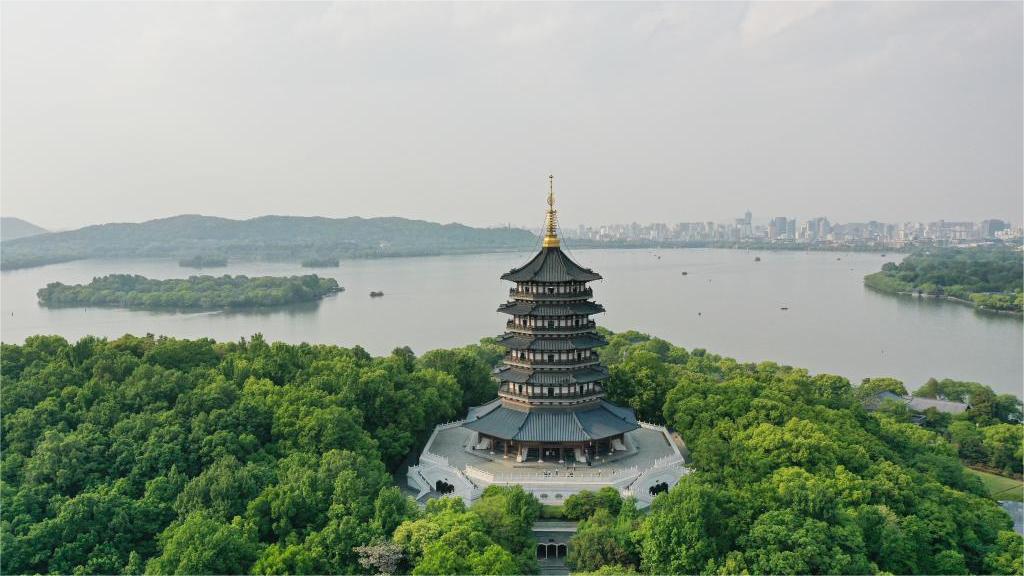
x=376, y=294
x=784, y=308
x=685, y=272
x=757, y=258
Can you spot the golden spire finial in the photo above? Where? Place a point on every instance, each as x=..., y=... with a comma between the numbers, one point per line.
x=551, y=222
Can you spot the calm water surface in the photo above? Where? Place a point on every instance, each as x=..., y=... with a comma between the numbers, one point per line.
x=727, y=303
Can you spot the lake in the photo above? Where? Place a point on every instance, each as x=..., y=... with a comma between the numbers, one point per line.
x=727, y=303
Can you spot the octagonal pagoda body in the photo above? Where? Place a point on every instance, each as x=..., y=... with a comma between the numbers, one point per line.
x=551, y=396
x=550, y=430
x=551, y=361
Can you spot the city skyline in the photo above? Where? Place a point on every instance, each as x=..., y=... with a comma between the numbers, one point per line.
x=571, y=226
x=820, y=230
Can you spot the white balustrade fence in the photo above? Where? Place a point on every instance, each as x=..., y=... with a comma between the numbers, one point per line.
x=554, y=476
x=434, y=459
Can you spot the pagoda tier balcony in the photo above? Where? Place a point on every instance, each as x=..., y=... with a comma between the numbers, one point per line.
x=527, y=363
x=583, y=327
x=555, y=400
x=584, y=294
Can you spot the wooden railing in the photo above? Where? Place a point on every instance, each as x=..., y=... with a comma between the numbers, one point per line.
x=560, y=297
x=582, y=327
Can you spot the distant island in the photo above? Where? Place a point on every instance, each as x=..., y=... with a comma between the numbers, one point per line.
x=989, y=278
x=13, y=228
x=203, y=262
x=321, y=263
x=269, y=238
x=193, y=293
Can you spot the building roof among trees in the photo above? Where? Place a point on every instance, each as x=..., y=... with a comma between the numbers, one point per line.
x=915, y=403
x=949, y=407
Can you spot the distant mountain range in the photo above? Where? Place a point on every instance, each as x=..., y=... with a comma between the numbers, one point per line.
x=279, y=238
x=11, y=228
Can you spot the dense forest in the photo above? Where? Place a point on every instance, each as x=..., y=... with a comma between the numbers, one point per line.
x=277, y=238
x=989, y=435
x=191, y=456
x=192, y=293
x=989, y=277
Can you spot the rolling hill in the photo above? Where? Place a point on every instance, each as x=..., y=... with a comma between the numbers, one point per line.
x=281, y=238
x=12, y=228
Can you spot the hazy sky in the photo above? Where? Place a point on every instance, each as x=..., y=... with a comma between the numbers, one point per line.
x=458, y=112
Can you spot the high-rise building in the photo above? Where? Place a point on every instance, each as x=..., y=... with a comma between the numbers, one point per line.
x=989, y=228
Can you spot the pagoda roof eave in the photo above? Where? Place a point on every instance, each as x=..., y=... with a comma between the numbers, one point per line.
x=517, y=308
x=551, y=265
x=581, y=342
x=594, y=422
x=541, y=377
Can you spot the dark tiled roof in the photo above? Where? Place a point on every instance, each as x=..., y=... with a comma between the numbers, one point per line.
x=915, y=403
x=591, y=423
x=551, y=265
x=949, y=407
x=582, y=342
x=551, y=377
x=533, y=309
x=552, y=427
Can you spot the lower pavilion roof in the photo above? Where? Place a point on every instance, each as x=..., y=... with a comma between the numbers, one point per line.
x=551, y=377
x=580, y=342
x=595, y=422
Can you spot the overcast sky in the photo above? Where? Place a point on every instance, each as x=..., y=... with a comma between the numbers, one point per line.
x=458, y=112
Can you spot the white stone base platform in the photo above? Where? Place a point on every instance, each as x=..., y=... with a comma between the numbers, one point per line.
x=649, y=459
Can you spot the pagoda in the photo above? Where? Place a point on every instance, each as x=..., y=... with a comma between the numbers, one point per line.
x=551, y=405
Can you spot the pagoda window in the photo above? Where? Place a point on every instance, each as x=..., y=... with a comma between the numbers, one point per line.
x=551, y=323
x=551, y=392
x=551, y=290
x=551, y=357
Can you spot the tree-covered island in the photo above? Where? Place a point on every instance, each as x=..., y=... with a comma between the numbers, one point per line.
x=159, y=456
x=192, y=293
x=203, y=262
x=321, y=262
x=990, y=278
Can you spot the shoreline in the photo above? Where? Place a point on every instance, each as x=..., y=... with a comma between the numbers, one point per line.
x=982, y=309
x=583, y=245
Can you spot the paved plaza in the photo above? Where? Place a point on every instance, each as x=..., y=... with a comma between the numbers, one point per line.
x=645, y=447
x=653, y=460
